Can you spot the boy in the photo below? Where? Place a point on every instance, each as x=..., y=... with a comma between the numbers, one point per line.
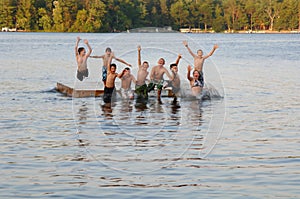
x=106, y=62
x=110, y=80
x=81, y=59
x=175, y=83
x=126, y=79
x=199, y=59
x=141, y=86
x=156, y=77
x=195, y=83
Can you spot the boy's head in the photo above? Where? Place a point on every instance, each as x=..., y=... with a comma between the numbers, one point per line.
x=108, y=50
x=81, y=51
x=127, y=70
x=145, y=65
x=174, y=67
x=161, y=61
x=199, y=52
x=113, y=67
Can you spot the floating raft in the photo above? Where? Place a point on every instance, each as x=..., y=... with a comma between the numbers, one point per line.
x=87, y=89
x=91, y=89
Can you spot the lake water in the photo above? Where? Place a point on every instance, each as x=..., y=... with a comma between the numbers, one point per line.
x=242, y=145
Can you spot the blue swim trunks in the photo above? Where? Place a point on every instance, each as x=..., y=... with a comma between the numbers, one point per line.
x=104, y=73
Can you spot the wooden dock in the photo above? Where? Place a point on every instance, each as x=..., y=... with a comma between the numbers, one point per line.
x=92, y=89
x=88, y=89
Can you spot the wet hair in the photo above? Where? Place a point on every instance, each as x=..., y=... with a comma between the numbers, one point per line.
x=127, y=68
x=113, y=65
x=80, y=49
x=199, y=50
x=108, y=49
x=172, y=65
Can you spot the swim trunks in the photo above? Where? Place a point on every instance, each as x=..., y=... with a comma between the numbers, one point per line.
x=142, y=91
x=108, y=92
x=82, y=74
x=201, y=78
x=127, y=93
x=104, y=73
x=152, y=84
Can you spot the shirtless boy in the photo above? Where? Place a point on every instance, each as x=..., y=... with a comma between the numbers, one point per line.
x=196, y=85
x=81, y=58
x=141, y=86
x=175, y=83
x=126, y=79
x=106, y=62
x=156, y=77
x=110, y=81
x=199, y=59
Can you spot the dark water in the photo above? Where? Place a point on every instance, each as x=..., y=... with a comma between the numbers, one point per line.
x=244, y=145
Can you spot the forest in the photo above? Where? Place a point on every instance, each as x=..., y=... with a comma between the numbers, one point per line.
x=122, y=15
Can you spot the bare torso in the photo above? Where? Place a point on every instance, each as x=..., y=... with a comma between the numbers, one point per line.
x=158, y=72
x=126, y=81
x=198, y=63
x=141, y=77
x=176, y=80
x=110, y=81
x=82, y=63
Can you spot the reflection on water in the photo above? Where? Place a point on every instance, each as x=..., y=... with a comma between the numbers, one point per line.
x=128, y=132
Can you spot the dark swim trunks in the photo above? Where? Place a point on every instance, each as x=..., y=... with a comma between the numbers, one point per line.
x=201, y=78
x=104, y=73
x=108, y=93
x=82, y=74
x=141, y=91
x=152, y=84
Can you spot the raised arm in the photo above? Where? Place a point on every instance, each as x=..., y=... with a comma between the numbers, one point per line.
x=139, y=56
x=76, y=46
x=178, y=59
x=212, y=51
x=89, y=48
x=188, y=75
x=120, y=75
x=185, y=43
x=109, y=62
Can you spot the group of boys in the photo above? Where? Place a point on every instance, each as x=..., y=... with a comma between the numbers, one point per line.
x=142, y=89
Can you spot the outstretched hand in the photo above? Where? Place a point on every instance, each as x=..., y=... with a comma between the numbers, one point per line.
x=189, y=68
x=86, y=41
x=185, y=43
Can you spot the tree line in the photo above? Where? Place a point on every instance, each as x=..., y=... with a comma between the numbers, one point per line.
x=121, y=15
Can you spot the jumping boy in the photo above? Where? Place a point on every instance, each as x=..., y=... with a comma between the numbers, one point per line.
x=110, y=80
x=106, y=57
x=175, y=82
x=81, y=59
x=126, y=79
x=199, y=59
x=141, y=86
x=157, y=79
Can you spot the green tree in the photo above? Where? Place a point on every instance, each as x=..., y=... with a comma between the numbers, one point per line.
x=272, y=9
x=96, y=13
x=219, y=22
x=24, y=14
x=6, y=14
x=58, y=25
x=179, y=13
x=288, y=15
x=44, y=20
